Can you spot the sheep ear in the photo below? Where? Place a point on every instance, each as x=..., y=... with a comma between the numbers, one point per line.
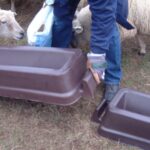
x=13, y=12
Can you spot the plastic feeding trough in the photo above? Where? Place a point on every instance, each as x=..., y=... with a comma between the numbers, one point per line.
x=127, y=119
x=49, y=75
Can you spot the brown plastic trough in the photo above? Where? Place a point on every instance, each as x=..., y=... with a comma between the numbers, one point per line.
x=127, y=119
x=49, y=75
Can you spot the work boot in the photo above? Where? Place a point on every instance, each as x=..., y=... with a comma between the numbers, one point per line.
x=110, y=91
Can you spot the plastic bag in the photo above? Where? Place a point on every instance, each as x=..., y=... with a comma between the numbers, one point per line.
x=42, y=21
x=98, y=64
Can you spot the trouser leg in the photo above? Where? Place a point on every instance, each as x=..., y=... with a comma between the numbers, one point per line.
x=113, y=73
x=62, y=28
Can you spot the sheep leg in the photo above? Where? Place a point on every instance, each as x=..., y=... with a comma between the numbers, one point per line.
x=142, y=45
x=13, y=5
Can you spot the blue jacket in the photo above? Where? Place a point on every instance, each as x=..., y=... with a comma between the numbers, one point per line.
x=122, y=14
x=105, y=13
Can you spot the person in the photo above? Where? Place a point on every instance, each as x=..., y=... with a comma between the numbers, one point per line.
x=105, y=38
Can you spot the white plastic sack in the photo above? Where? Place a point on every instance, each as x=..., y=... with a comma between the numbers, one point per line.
x=44, y=18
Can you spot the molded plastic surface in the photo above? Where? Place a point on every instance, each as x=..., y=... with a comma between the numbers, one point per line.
x=127, y=118
x=49, y=75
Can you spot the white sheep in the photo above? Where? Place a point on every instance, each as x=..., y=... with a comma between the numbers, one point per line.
x=81, y=28
x=9, y=27
x=25, y=3
x=13, y=6
x=82, y=4
x=12, y=2
x=139, y=16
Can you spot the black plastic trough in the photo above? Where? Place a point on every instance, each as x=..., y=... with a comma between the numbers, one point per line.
x=49, y=75
x=127, y=119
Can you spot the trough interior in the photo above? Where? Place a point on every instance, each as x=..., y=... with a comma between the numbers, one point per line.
x=36, y=59
x=135, y=103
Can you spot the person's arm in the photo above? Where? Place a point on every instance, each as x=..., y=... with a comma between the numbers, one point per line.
x=103, y=22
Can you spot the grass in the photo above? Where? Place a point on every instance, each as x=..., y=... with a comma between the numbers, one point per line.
x=136, y=69
x=32, y=126
x=26, y=125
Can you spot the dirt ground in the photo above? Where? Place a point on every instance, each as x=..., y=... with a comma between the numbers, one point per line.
x=26, y=125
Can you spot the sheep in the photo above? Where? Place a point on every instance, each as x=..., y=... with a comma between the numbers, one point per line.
x=13, y=5
x=82, y=4
x=81, y=28
x=9, y=27
x=138, y=15
x=25, y=3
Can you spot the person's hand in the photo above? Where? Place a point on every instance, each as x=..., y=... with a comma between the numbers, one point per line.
x=97, y=64
x=94, y=73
